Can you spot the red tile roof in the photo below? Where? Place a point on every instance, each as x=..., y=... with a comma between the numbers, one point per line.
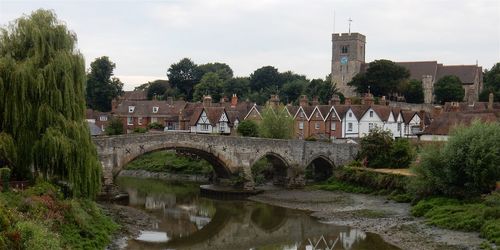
x=443, y=124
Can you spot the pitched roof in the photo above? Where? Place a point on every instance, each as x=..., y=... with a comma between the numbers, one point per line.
x=325, y=110
x=135, y=95
x=308, y=111
x=443, y=124
x=465, y=107
x=466, y=73
x=94, y=129
x=214, y=114
x=145, y=109
x=233, y=116
x=408, y=115
x=382, y=111
x=419, y=69
x=341, y=110
x=292, y=109
x=359, y=110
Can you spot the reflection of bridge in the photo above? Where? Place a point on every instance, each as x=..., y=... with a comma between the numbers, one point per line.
x=228, y=154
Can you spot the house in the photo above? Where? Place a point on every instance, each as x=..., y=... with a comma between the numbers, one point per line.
x=97, y=119
x=208, y=120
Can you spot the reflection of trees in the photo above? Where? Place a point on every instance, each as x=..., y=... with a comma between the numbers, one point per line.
x=268, y=218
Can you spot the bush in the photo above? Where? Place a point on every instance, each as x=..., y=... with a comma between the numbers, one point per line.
x=467, y=166
x=5, y=179
x=115, y=127
x=259, y=169
x=155, y=125
x=140, y=130
x=37, y=237
x=248, y=128
x=380, y=150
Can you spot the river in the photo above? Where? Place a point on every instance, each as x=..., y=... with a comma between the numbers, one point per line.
x=185, y=220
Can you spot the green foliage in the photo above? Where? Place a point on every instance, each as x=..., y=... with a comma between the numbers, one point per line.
x=449, y=89
x=140, y=130
x=5, y=178
x=265, y=77
x=259, y=170
x=424, y=206
x=491, y=79
x=8, y=154
x=42, y=106
x=221, y=69
x=102, y=87
x=115, y=127
x=466, y=166
x=238, y=85
x=211, y=85
x=323, y=89
x=384, y=78
x=248, y=128
x=276, y=123
x=183, y=76
x=167, y=161
x=413, y=91
x=335, y=185
x=155, y=125
x=157, y=89
x=37, y=237
x=380, y=150
x=491, y=230
x=292, y=90
x=402, y=153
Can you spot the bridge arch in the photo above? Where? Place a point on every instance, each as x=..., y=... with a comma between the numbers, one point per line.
x=319, y=168
x=280, y=167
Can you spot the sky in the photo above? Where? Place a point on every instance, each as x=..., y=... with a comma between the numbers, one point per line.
x=144, y=38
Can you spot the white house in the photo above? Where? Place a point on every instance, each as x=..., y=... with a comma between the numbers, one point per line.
x=209, y=120
x=412, y=123
x=371, y=120
x=350, y=120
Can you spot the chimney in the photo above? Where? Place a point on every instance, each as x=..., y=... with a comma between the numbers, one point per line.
x=383, y=101
x=347, y=101
x=234, y=101
x=368, y=99
x=490, y=101
x=303, y=101
x=422, y=119
x=335, y=100
x=207, y=101
x=274, y=100
x=437, y=111
x=315, y=101
x=170, y=100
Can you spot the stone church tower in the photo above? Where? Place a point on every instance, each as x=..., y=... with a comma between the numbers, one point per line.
x=348, y=56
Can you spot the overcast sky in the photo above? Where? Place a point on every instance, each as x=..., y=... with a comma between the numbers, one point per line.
x=144, y=38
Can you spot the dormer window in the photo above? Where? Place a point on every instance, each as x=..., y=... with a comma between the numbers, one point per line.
x=155, y=109
x=131, y=109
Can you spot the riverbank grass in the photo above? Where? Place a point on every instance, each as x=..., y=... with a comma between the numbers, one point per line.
x=168, y=161
x=40, y=218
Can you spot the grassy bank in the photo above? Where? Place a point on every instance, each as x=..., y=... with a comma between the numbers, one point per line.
x=40, y=218
x=168, y=161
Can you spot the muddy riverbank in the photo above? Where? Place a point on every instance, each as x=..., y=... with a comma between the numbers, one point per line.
x=374, y=214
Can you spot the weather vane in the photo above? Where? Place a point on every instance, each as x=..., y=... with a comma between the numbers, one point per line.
x=350, y=21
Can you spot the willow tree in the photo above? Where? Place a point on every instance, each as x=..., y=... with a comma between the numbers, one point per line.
x=42, y=105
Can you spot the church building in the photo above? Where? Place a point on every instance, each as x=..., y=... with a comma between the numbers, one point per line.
x=348, y=59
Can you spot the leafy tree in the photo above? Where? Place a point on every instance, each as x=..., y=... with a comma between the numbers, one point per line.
x=449, y=89
x=292, y=90
x=384, y=78
x=248, y=128
x=491, y=83
x=221, y=69
x=210, y=84
x=414, y=92
x=290, y=76
x=466, y=166
x=276, y=123
x=184, y=75
x=376, y=148
x=102, y=87
x=157, y=88
x=402, y=154
x=115, y=127
x=238, y=85
x=321, y=88
x=42, y=105
x=266, y=77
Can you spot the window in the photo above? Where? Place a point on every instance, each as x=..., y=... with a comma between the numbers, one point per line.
x=370, y=126
x=103, y=118
x=139, y=120
x=344, y=49
x=301, y=115
x=333, y=126
x=155, y=109
x=349, y=126
x=371, y=113
x=204, y=127
x=130, y=120
x=399, y=126
x=131, y=109
x=316, y=125
x=350, y=114
x=170, y=126
x=301, y=125
x=222, y=127
x=154, y=119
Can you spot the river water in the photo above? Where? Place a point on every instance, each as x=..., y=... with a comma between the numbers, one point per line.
x=189, y=221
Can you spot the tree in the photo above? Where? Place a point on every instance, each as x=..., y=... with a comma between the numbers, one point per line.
x=384, y=78
x=221, y=69
x=292, y=90
x=42, y=105
x=157, y=89
x=238, y=85
x=376, y=148
x=449, y=89
x=184, y=75
x=491, y=83
x=414, y=92
x=115, y=127
x=210, y=84
x=266, y=77
x=290, y=76
x=322, y=89
x=102, y=87
x=248, y=128
x=276, y=123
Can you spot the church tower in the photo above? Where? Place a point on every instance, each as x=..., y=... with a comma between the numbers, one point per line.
x=348, y=56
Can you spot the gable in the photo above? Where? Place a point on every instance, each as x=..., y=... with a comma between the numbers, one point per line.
x=391, y=117
x=316, y=114
x=415, y=119
x=223, y=118
x=366, y=116
x=203, y=118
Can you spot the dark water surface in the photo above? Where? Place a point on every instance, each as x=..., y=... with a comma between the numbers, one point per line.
x=188, y=221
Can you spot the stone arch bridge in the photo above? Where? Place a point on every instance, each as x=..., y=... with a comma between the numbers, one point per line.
x=229, y=155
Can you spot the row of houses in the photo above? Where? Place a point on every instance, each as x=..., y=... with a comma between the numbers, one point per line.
x=311, y=120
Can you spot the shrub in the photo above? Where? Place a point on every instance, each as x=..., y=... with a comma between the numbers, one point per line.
x=402, y=154
x=140, y=130
x=376, y=148
x=115, y=127
x=155, y=125
x=248, y=128
x=37, y=237
x=276, y=123
x=491, y=230
x=259, y=169
x=467, y=165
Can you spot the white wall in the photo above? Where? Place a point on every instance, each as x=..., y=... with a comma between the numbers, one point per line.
x=364, y=122
x=355, y=125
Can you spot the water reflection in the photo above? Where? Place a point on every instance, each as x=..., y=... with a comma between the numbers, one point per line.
x=188, y=221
